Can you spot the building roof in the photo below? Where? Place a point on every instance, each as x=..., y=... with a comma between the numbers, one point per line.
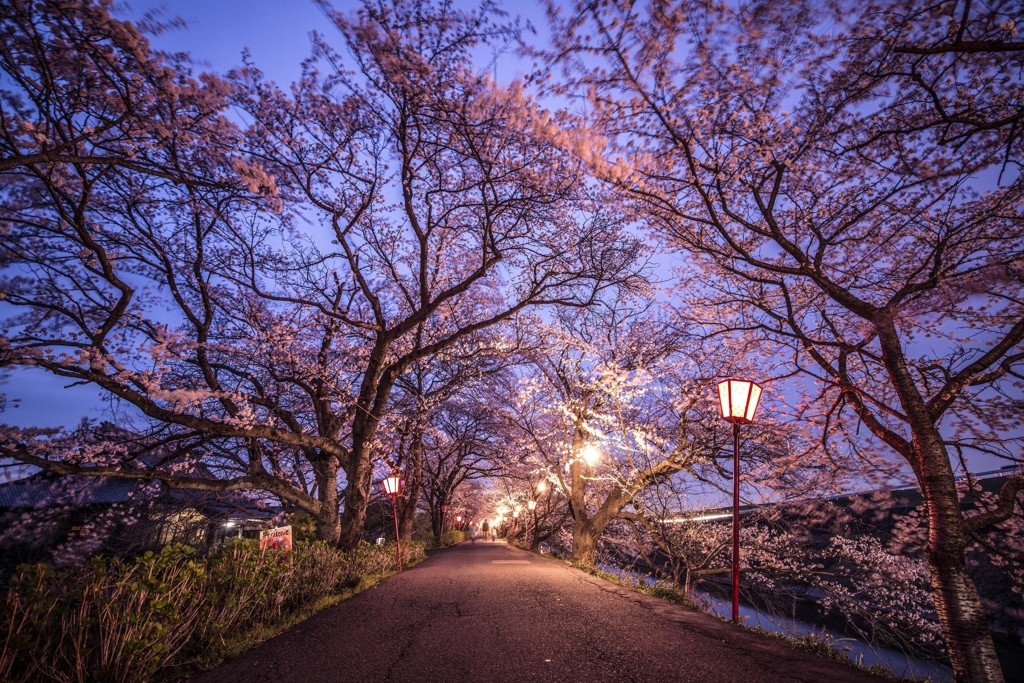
x=46, y=490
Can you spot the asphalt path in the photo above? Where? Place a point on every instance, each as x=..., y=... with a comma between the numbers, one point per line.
x=491, y=612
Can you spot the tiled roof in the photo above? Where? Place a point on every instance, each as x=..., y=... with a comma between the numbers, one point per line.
x=45, y=491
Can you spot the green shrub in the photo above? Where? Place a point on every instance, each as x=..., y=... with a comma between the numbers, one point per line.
x=128, y=620
x=115, y=621
x=452, y=536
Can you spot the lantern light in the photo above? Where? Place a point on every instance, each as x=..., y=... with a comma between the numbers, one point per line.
x=591, y=454
x=532, y=505
x=738, y=399
x=392, y=485
x=515, y=514
x=542, y=486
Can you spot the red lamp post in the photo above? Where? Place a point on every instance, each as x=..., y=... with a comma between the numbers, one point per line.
x=738, y=399
x=533, y=528
x=392, y=486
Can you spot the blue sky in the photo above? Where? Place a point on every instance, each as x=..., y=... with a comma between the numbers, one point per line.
x=277, y=35
x=276, y=32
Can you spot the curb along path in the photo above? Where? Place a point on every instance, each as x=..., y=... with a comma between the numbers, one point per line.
x=491, y=612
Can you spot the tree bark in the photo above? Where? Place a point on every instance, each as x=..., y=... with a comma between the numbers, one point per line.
x=373, y=395
x=584, y=544
x=328, y=522
x=414, y=482
x=969, y=642
x=357, y=498
x=964, y=625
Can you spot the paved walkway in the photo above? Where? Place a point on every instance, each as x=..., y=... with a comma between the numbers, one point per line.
x=491, y=612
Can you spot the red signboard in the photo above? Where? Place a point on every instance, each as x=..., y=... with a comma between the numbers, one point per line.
x=276, y=539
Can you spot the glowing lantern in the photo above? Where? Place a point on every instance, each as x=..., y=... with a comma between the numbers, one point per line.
x=392, y=485
x=738, y=399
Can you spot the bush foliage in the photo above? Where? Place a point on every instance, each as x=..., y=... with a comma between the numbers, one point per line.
x=131, y=620
x=452, y=537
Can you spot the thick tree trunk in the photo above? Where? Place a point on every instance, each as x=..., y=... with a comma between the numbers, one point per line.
x=588, y=528
x=407, y=512
x=437, y=519
x=373, y=396
x=964, y=624
x=584, y=544
x=961, y=616
x=328, y=524
x=414, y=484
x=357, y=498
x=327, y=519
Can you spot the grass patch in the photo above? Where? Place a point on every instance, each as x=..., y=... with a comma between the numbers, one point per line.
x=821, y=645
x=162, y=615
x=237, y=645
x=818, y=644
x=657, y=590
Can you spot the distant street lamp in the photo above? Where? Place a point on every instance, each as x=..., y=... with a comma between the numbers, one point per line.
x=591, y=454
x=738, y=400
x=392, y=486
x=533, y=529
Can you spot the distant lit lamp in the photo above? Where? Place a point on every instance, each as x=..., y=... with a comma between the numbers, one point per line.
x=533, y=528
x=591, y=454
x=738, y=399
x=392, y=486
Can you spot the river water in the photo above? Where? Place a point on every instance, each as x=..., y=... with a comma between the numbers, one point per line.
x=864, y=653
x=894, y=660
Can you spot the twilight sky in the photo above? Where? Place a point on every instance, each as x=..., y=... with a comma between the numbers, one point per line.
x=276, y=32
x=277, y=35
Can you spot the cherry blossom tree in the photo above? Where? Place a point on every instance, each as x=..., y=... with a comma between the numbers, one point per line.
x=846, y=180
x=447, y=210
x=255, y=293
x=125, y=204
x=441, y=435
x=618, y=404
x=461, y=448
x=84, y=87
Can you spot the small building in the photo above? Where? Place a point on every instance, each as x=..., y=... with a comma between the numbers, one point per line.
x=62, y=519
